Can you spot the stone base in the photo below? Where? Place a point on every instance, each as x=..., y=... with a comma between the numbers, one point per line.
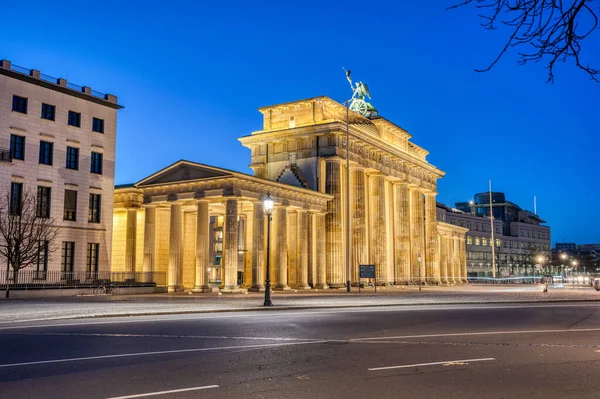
x=175, y=288
x=204, y=288
x=281, y=288
x=233, y=290
x=302, y=287
x=337, y=286
x=321, y=286
x=257, y=288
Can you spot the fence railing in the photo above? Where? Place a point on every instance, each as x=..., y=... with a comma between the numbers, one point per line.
x=51, y=79
x=33, y=279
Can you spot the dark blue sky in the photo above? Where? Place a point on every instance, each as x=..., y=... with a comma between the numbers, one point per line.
x=192, y=74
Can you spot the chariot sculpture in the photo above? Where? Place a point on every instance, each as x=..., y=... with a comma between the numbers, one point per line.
x=358, y=103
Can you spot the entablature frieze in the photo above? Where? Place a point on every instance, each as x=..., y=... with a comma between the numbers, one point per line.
x=219, y=190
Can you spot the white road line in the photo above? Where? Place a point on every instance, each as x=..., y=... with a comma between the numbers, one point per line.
x=478, y=333
x=59, y=334
x=485, y=359
x=76, y=359
x=193, y=316
x=141, y=395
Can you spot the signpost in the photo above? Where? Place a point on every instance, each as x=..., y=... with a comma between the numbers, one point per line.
x=368, y=271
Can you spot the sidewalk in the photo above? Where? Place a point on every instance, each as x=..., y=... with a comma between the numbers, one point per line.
x=104, y=306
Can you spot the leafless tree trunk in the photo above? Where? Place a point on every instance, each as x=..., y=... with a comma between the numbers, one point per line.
x=552, y=29
x=26, y=230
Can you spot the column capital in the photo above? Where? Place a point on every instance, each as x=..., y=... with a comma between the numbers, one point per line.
x=151, y=205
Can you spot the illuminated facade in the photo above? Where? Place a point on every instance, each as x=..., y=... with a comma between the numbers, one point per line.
x=60, y=140
x=205, y=226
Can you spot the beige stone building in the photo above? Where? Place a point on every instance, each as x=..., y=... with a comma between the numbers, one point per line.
x=60, y=140
x=205, y=226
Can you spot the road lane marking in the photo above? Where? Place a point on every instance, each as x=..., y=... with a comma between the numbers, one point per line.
x=117, y=335
x=478, y=333
x=76, y=359
x=215, y=314
x=141, y=395
x=485, y=359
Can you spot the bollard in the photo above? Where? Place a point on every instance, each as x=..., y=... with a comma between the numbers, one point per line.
x=596, y=284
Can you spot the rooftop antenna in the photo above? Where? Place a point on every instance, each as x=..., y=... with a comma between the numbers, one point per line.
x=534, y=205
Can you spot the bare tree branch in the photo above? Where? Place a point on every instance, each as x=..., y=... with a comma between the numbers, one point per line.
x=553, y=30
x=24, y=230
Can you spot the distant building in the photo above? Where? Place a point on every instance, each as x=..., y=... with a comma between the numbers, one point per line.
x=520, y=237
x=579, y=258
x=59, y=141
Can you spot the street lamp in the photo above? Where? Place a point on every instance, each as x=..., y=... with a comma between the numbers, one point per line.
x=563, y=257
x=419, y=260
x=540, y=260
x=268, y=204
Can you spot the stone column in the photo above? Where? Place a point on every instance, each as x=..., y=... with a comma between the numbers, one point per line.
x=320, y=256
x=456, y=252
x=175, y=248
x=463, y=260
x=292, y=248
x=149, y=238
x=281, y=249
x=230, y=247
x=450, y=252
x=130, y=236
x=378, y=227
x=359, y=254
x=302, y=258
x=443, y=259
x=402, y=273
x=258, y=244
x=432, y=260
x=202, y=248
x=334, y=219
x=417, y=233
x=248, y=246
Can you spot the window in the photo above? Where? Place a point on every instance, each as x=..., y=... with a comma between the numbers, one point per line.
x=468, y=225
x=16, y=196
x=68, y=258
x=94, y=213
x=498, y=243
x=72, y=158
x=43, y=202
x=98, y=125
x=17, y=147
x=46, y=152
x=19, y=104
x=484, y=242
x=292, y=122
x=477, y=242
x=48, y=112
x=41, y=266
x=74, y=119
x=469, y=240
x=92, y=259
x=96, y=163
x=70, y=205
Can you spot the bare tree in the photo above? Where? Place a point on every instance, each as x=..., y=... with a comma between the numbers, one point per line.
x=553, y=30
x=26, y=230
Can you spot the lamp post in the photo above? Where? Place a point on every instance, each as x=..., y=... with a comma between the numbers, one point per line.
x=563, y=258
x=268, y=204
x=347, y=197
x=419, y=260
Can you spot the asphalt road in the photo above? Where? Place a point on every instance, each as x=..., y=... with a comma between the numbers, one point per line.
x=454, y=351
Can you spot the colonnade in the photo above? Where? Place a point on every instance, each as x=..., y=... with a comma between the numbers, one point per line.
x=393, y=225
x=297, y=247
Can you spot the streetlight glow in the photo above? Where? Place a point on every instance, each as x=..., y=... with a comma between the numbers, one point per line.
x=268, y=204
